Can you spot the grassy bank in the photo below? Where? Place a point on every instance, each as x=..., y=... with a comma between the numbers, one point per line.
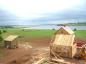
x=29, y=33
x=81, y=34
x=38, y=33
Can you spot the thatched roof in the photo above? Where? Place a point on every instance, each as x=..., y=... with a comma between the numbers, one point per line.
x=65, y=30
x=65, y=40
x=11, y=38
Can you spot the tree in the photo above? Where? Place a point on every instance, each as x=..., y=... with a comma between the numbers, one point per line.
x=0, y=32
x=53, y=29
x=4, y=31
x=1, y=39
x=75, y=29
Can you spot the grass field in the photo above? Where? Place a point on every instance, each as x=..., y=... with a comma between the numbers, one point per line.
x=38, y=33
x=29, y=33
x=81, y=34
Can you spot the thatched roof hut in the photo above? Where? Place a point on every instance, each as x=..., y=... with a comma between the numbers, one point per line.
x=11, y=41
x=63, y=43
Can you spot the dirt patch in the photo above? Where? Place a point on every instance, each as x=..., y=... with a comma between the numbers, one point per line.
x=45, y=42
x=37, y=42
x=30, y=50
x=15, y=55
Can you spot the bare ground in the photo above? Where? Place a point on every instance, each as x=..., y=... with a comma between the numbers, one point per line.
x=30, y=50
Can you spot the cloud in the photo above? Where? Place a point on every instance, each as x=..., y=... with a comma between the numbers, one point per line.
x=6, y=18
x=63, y=17
x=35, y=8
x=23, y=12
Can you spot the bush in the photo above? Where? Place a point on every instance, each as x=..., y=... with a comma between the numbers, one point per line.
x=53, y=29
x=0, y=32
x=75, y=29
x=1, y=41
x=4, y=31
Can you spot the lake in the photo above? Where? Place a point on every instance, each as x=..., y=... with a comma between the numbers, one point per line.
x=55, y=27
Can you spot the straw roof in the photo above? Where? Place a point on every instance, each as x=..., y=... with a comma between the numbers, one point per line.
x=65, y=30
x=11, y=38
x=65, y=40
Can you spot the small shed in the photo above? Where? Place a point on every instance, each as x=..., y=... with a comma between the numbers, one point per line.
x=11, y=41
x=63, y=43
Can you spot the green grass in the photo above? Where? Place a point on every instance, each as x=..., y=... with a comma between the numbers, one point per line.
x=38, y=33
x=81, y=34
x=28, y=33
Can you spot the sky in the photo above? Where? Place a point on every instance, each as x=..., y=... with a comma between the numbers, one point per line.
x=33, y=12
